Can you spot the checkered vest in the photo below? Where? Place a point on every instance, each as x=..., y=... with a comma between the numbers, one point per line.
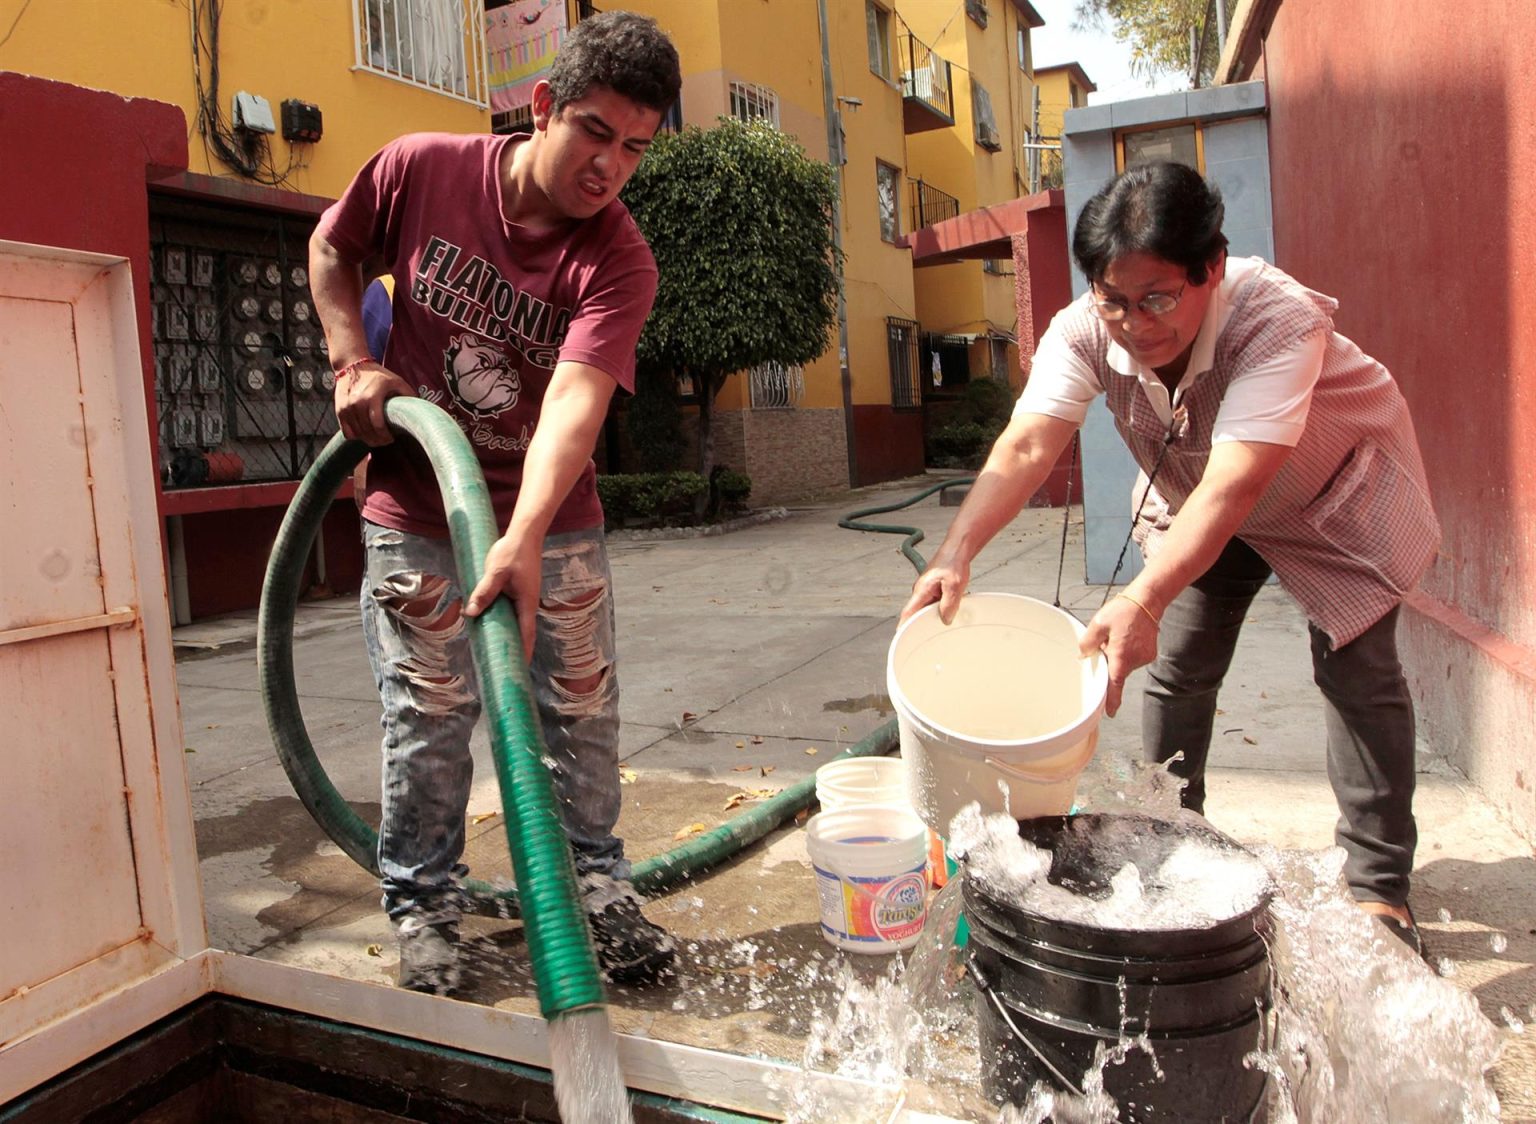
x=1347, y=524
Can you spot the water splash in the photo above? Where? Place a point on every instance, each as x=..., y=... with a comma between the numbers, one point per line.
x=1361, y=1030
x=584, y=1057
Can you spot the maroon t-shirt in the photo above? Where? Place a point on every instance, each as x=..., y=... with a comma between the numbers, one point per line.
x=483, y=310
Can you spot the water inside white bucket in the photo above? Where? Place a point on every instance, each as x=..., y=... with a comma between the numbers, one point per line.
x=996, y=707
x=993, y=682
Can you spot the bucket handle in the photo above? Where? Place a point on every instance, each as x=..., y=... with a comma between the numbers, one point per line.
x=1010, y=769
x=979, y=977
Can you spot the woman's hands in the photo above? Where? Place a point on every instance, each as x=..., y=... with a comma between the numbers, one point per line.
x=1124, y=633
x=943, y=581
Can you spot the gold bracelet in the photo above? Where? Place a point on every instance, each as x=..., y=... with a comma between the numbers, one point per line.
x=1155, y=622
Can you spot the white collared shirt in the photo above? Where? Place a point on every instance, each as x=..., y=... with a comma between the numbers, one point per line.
x=1267, y=403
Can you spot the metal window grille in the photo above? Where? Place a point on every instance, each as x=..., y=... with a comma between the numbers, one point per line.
x=776, y=386
x=243, y=380
x=750, y=102
x=977, y=10
x=901, y=342
x=431, y=44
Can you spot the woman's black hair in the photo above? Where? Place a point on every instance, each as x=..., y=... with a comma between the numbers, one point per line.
x=1166, y=210
x=625, y=52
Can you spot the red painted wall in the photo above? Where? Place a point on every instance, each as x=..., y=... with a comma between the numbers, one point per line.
x=226, y=553
x=76, y=165
x=889, y=443
x=1402, y=136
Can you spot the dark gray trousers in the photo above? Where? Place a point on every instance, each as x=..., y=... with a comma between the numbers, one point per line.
x=1368, y=712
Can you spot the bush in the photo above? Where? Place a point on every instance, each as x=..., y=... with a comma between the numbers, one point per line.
x=654, y=498
x=728, y=492
x=987, y=402
x=961, y=444
x=731, y=488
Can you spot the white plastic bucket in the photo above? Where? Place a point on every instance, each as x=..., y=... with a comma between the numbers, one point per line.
x=997, y=707
x=870, y=864
x=861, y=780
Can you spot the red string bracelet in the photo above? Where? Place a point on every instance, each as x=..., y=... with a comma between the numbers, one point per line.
x=352, y=367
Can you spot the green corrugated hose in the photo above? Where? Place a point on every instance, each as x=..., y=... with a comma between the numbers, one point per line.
x=851, y=521
x=560, y=950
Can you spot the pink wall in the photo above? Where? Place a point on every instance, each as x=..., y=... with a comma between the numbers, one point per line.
x=1400, y=136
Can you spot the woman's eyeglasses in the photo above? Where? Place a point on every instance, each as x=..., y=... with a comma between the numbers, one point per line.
x=1153, y=304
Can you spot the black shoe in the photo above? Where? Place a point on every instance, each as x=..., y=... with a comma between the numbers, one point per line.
x=429, y=956
x=630, y=948
x=1407, y=933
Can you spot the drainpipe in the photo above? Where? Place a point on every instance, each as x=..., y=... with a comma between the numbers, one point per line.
x=835, y=153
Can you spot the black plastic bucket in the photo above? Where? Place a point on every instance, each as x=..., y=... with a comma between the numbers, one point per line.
x=1199, y=995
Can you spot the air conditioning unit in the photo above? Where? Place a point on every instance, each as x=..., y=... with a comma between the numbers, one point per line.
x=987, y=136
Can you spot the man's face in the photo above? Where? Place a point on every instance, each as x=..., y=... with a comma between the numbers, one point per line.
x=1157, y=341
x=589, y=149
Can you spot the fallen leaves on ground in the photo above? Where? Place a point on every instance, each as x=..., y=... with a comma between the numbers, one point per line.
x=482, y=817
x=811, y=751
x=627, y=775
x=742, y=768
x=1249, y=740
x=741, y=745
x=767, y=769
x=375, y=950
x=734, y=801
x=691, y=829
x=756, y=740
x=689, y=716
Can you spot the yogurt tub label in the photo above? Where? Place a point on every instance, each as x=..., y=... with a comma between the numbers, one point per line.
x=878, y=909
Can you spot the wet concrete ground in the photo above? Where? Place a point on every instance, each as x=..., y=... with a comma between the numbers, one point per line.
x=740, y=654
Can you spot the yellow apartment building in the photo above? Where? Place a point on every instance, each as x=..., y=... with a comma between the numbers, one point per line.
x=1062, y=87
x=915, y=102
x=966, y=309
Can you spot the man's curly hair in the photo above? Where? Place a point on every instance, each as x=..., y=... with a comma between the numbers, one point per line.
x=626, y=52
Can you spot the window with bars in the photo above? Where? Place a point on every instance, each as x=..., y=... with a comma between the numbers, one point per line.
x=751, y=102
x=902, y=345
x=776, y=386
x=243, y=381
x=433, y=44
x=888, y=188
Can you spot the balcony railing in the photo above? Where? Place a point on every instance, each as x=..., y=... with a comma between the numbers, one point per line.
x=930, y=205
x=925, y=84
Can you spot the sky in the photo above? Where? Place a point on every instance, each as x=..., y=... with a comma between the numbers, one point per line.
x=1097, y=51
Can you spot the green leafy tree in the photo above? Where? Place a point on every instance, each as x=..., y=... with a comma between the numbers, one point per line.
x=1159, y=32
x=740, y=221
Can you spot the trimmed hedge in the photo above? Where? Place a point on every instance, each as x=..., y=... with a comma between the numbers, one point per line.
x=732, y=488
x=651, y=498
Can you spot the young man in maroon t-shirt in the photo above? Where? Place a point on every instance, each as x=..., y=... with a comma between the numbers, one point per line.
x=520, y=287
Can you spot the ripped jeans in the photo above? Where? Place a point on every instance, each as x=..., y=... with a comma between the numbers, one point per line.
x=418, y=644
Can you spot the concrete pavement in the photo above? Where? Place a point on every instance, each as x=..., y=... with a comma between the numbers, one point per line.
x=740, y=654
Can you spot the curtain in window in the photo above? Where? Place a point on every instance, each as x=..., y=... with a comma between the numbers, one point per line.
x=521, y=40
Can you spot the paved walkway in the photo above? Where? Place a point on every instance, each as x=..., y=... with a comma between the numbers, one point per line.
x=746, y=660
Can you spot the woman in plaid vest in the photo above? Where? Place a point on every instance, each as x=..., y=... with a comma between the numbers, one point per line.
x=1268, y=444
